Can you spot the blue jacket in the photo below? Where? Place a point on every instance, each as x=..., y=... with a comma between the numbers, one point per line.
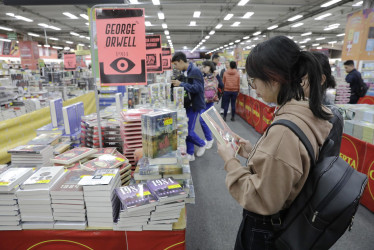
x=195, y=87
x=354, y=80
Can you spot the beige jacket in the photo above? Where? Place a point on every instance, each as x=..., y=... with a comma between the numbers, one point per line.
x=278, y=164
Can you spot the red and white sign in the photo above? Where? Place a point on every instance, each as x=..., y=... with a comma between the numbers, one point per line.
x=70, y=61
x=29, y=54
x=154, y=54
x=166, y=59
x=121, y=46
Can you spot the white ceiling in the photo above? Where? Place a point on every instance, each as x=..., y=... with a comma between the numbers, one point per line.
x=178, y=15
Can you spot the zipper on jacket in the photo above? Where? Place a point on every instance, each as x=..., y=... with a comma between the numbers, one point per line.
x=347, y=174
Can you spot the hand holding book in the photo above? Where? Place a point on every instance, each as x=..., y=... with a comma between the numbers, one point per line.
x=226, y=151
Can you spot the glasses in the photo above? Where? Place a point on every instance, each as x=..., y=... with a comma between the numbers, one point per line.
x=251, y=82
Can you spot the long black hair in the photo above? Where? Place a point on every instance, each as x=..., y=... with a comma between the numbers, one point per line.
x=210, y=65
x=326, y=70
x=280, y=59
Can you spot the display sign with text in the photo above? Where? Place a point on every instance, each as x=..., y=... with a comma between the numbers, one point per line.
x=29, y=54
x=166, y=59
x=121, y=46
x=70, y=61
x=154, y=54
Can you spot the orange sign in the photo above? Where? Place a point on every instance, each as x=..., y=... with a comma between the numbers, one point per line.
x=70, y=61
x=166, y=59
x=121, y=46
x=154, y=54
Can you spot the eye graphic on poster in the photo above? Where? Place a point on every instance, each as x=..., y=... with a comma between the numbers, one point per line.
x=164, y=62
x=122, y=65
x=154, y=54
x=151, y=60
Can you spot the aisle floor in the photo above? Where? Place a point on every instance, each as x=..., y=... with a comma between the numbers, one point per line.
x=212, y=222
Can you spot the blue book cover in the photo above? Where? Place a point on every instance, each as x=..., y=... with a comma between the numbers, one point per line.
x=56, y=112
x=166, y=189
x=50, y=129
x=136, y=197
x=70, y=119
x=80, y=112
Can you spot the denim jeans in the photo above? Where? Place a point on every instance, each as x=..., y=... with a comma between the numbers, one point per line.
x=192, y=138
x=229, y=97
x=204, y=127
x=255, y=232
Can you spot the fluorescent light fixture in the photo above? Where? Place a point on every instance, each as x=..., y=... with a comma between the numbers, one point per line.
x=306, y=34
x=169, y=41
x=81, y=36
x=166, y=32
x=322, y=16
x=10, y=14
x=69, y=42
x=212, y=32
x=243, y=2
x=5, y=28
x=320, y=38
x=148, y=23
x=225, y=45
x=39, y=45
x=88, y=38
x=184, y=47
x=257, y=33
x=164, y=26
x=84, y=16
x=228, y=17
x=67, y=48
x=70, y=15
x=358, y=4
x=156, y=2
x=207, y=37
x=203, y=40
x=33, y=34
x=5, y=40
x=273, y=27
x=319, y=47
x=315, y=45
x=308, y=39
x=237, y=41
x=54, y=27
x=255, y=39
x=167, y=37
x=192, y=23
x=24, y=19
x=297, y=25
x=290, y=37
x=47, y=45
x=248, y=15
x=342, y=34
x=332, y=26
x=87, y=24
x=221, y=47
x=246, y=37
x=236, y=24
x=80, y=44
x=332, y=42
x=53, y=38
x=57, y=47
x=231, y=43
x=74, y=34
x=295, y=18
x=303, y=42
x=248, y=41
x=134, y=1
x=196, y=14
x=303, y=46
x=161, y=15
x=327, y=4
x=242, y=43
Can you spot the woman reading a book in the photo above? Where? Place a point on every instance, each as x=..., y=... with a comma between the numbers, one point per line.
x=278, y=165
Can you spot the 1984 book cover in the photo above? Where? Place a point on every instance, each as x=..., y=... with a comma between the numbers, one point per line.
x=134, y=196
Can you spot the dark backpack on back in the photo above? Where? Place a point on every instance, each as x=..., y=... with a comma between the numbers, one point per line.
x=326, y=205
x=362, y=89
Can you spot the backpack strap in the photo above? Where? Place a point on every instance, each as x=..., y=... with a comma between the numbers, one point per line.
x=297, y=131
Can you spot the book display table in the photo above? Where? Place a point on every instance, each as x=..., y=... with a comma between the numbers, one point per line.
x=366, y=100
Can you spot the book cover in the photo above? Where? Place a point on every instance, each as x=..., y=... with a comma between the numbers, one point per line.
x=50, y=129
x=104, y=151
x=80, y=112
x=170, y=158
x=69, y=183
x=136, y=197
x=73, y=155
x=43, y=177
x=30, y=149
x=56, y=112
x=154, y=90
x=70, y=119
x=46, y=139
x=119, y=102
x=13, y=177
x=178, y=97
x=166, y=189
x=106, y=161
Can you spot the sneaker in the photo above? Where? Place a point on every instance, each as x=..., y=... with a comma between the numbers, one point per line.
x=221, y=112
x=229, y=111
x=209, y=144
x=232, y=119
x=200, y=152
x=190, y=157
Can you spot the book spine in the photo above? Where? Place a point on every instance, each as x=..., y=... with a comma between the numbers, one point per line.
x=66, y=120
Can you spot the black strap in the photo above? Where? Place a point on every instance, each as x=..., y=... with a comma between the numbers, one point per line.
x=294, y=128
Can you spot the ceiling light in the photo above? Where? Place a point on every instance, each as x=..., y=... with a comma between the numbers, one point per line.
x=196, y=14
x=327, y=4
x=134, y=1
x=331, y=27
x=24, y=19
x=242, y=43
x=303, y=46
x=47, y=45
x=88, y=38
x=322, y=16
x=203, y=40
x=193, y=23
x=306, y=34
x=290, y=37
x=33, y=34
x=87, y=24
x=57, y=47
x=236, y=24
x=307, y=39
x=70, y=15
x=5, y=28
x=80, y=44
x=53, y=38
x=295, y=18
x=358, y=4
x=257, y=33
x=320, y=38
x=74, y=34
x=67, y=48
x=167, y=37
x=84, y=16
x=319, y=47
x=221, y=47
x=148, y=23
x=332, y=42
x=273, y=27
x=5, y=40
x=246, y=37
x=39, y=45
x=256, y=39
x=54, y=27
x=212, y=32
x=248, y=41
x=169, y=41
x=297, y=25
x=243, y=2
x=231, y=43
x=228, y=17
x=225, y=45
x=248, y=15
x=81, y=36
x=10, y=14
x=69, y=42
x=218, y=26
x=207, y=37
x=166, y=32
x=156, y=2
x=315, y=45
x=303, y=42
x=164, y=25
x=342, y=34
x=161, y=15
x=237, y=41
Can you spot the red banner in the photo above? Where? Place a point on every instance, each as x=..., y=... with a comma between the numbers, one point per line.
x=48, y=53
x=154, y=53
x=70, y=61
x=256, y=115
x=368, y=169
x=121, y=46
x=366, y=100
x=352, y=151
x=248, y=109
x=266, y=116
x=78, y=240
x=166, y=59
x=240, y=105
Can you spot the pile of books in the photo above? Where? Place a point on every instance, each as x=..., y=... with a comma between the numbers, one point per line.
x=72, y=159
x=46, y=139
x=34, y=198
x=182, y=128
x=343, y=92
x=50, y=129
x=68, y=205
x=10, y=218
x=31, y=154
x=99, y=195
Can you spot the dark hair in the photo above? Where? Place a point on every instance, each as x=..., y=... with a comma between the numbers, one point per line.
x=233, y=65
x=179, y=56
x=280, y=59
x=215, y=56
x=211, y=65
x=326, y=70
x=349, y=62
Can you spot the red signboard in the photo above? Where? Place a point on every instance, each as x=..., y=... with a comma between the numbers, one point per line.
x=121, y=46
x=366, y=100
x=29, y=54
x=154, y=53
x=166, y=59
x=70, y=61
x=368, y=169
x=267, y=114
x=256, y=115
x=240, y=105
x=352, y=151
x=248, y=109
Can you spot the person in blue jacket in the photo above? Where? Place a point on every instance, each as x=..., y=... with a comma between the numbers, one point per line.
x=194, y=86
x=354, y=79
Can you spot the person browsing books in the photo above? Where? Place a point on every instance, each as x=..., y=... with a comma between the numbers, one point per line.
x=278, y=165
x=194, y=87
x=354, y=79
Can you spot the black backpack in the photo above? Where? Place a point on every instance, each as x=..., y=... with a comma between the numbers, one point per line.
x=326, y=205
x=362, y=89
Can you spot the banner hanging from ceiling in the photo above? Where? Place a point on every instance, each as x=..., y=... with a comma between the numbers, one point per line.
x=121, y=46
x=166, y=59
x=154, y=54
x=70, y=61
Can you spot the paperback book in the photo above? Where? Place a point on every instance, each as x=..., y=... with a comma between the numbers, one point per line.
x=13, y=177
x=46, y=139
x=50, y=129
x=73, y=155
x=167, y=189
x=30, y=149
x=68, y=184
x=136, y=197
x=43, y=178
x=105, y=161
x=70, y=119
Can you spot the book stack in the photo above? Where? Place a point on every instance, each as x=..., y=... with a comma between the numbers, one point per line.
x=154, y=95
x=69, y=210
x=178, y=97
x=171, y=197
x=62, y=146
x=105, y=161
x=182, y=127
x=31, y=154
x=10, y=218
x=112, y=134
x=343, y=92
x=50, y=129
x=55, y=107
x=85, y=120
x=137, y=203
x=32, y=105
x=71, y=158
x=99, y=195
x=34, y=198
x=46, y=139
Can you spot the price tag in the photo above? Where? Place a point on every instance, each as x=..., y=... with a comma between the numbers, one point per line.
x=144, y=193
x=44, y=181
x=54, y=128
x=84, y=176
x=120, y=159
x=4, y=183
x=174, y=186
x=109, y=175
x=168, y=121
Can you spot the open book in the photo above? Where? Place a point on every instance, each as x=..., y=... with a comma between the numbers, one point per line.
x=220, y=129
